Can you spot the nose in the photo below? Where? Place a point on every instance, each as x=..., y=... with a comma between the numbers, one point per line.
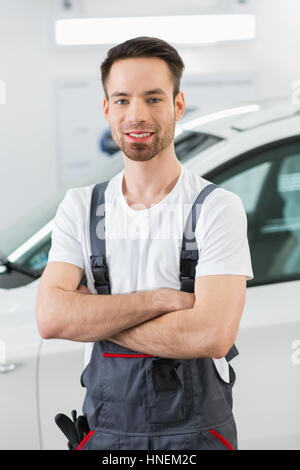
x=138, y=111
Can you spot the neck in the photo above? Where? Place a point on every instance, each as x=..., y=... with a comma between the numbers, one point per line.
x=148, y=182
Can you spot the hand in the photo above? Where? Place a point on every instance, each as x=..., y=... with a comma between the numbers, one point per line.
x=173, y=299
x=83, y=290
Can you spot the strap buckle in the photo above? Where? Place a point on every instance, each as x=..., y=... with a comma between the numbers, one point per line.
x=100, y=273
x=188, y=263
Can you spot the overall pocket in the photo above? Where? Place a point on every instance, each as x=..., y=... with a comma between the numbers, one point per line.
x=98, y=440
x=224, y=437
x=220, y=437
x=223, y=389
x=165, y=384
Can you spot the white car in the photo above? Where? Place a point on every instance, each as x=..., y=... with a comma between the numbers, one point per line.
x=252, y=149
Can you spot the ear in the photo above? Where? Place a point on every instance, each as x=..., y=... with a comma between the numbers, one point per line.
x=179, y=106
x=105, y=107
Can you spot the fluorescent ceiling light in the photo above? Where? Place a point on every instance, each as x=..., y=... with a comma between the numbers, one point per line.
x=192, y=29
x=220, y=115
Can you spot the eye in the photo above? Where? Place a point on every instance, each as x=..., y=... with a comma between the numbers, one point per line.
x=157, y=100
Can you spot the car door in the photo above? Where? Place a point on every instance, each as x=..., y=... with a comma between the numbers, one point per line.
x=38, y=378
x=19, y=348
x=59, y=363
x=19, y=344
x=266, y=394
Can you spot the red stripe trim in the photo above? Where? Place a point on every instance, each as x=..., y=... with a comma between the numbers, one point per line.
x=84, y=441
x=222, y=439
x=125, y=355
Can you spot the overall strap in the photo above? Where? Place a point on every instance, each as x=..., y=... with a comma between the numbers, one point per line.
x=189, y=251
x=97, y=239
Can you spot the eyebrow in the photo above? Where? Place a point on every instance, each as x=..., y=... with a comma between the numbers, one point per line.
x=156, y=91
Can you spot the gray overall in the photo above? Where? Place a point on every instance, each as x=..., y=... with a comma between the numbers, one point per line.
x=138, y=401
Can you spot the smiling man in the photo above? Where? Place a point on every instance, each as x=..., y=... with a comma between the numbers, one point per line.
x=142, y=140
x=168, y=267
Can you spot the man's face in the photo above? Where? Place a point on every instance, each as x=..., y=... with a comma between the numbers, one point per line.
x=132, y=109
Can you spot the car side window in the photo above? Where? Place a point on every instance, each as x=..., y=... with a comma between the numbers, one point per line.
x=268, y=183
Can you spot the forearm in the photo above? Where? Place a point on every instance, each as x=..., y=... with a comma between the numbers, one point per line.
x=173, y=335
x=88, y=318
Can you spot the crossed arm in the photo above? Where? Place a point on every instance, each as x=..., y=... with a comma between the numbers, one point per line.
x=207, y=330
x=164, y=323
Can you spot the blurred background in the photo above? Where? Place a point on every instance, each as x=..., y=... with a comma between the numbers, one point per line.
x=242, y=90
x=46, y=83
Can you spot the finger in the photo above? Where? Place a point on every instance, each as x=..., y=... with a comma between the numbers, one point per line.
x=83, y=289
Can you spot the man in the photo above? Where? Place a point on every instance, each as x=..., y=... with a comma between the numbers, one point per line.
x=156, y=373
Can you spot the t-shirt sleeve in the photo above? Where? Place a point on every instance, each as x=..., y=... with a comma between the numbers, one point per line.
x=65, y=240
x=221, y=234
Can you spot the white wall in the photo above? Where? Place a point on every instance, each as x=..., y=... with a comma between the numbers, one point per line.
x=30, y=62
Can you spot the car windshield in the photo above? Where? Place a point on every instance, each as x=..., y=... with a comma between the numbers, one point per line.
x=187, y=144
x=16, y=234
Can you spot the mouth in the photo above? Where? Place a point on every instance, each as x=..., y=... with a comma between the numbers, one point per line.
x=139, y=136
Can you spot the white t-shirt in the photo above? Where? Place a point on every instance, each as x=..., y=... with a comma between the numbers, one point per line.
x=143, y=246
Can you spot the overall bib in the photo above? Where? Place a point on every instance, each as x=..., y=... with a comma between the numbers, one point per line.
x=138, y=401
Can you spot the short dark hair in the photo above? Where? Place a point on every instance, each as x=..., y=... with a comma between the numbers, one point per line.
x=145, y=46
